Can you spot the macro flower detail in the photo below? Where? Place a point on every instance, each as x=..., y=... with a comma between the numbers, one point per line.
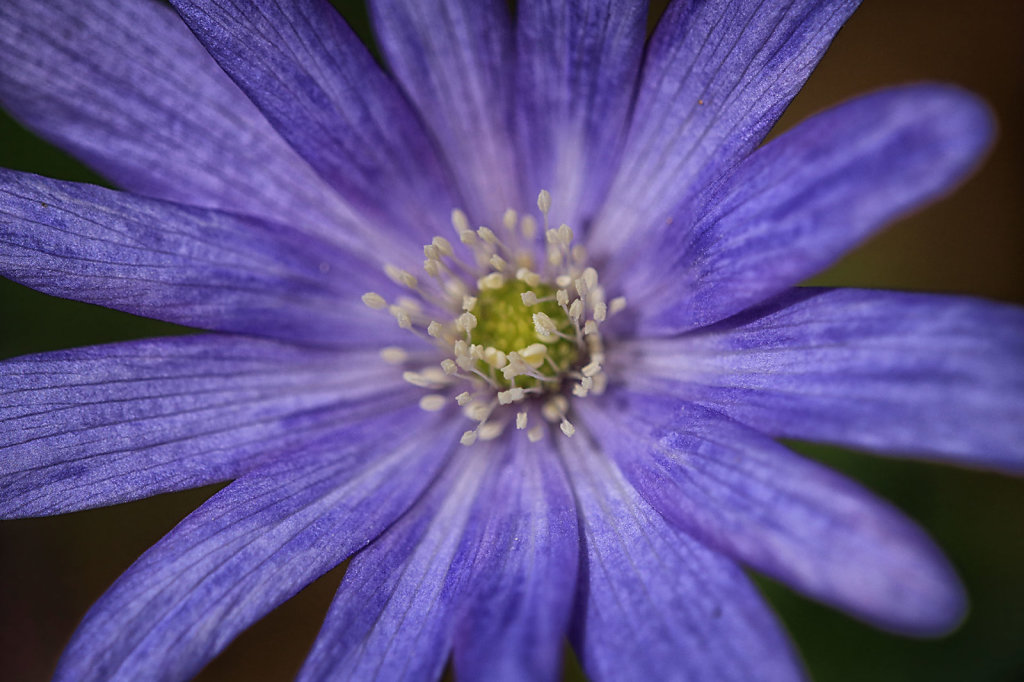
x=514, y=326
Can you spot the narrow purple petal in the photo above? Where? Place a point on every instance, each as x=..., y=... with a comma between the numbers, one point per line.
x=939, y=377
x=454, y=59
x=577, y=67
x=250, y=547
x=96, y=426
x=321, y=89
x=795, y=206
x=741, y=493
x=523, y=572
x=394, y=615
x=124, y=85
x=716, y=77
x=486, y=560
x=653, y=603
x=191, y=266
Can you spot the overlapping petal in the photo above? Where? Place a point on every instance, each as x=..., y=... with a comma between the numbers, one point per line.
x=795, y=206
x=394, y=614
x=744, y=495
x=196, y=267
x=320, y=88
x=107, y=424
x=124, y=85
x=934, y=376
x=654, y=604
x=251, y=546
x=485, y=560
x=716, y=77
x=522, y=570
x=578, y=62
x=454, y=59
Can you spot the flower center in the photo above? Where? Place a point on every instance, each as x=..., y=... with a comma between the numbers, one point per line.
x=516, y=337
x=506, y=324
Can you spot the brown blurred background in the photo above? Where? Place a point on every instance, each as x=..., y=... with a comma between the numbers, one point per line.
x=52, y=569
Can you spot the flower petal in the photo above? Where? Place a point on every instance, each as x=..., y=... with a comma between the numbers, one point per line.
x=741, y=493
x=796, y=205
x=716, y=77
x=486, y=559
x=124, y=85
x=654, y=604
x=523, y=571
x=454, y=59
x=394, y=614
x=321, y=89
x=250, y=547
x=939, y=377
x=192, y=266
x=576, y=74
x=95, y=426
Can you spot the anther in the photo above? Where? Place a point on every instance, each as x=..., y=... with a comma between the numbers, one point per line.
x=432, y=402
x=495, y=280
x=576, y=310
x=393, y=355
x=544, y=202
x=404, y=321
x=424, y=379
x=466, y=322
x=565, y=234
x=509, y=220
x=399, y=276
x=486, y=234
x=375, y=301
x=529, y=227
x=511, y=395
x=443, y=246
x=460, y=222
x=543, y=325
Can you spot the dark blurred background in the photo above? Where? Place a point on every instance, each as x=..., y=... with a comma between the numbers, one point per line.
x=52, y=569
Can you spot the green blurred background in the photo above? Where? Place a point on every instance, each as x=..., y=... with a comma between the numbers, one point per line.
x=52, y=569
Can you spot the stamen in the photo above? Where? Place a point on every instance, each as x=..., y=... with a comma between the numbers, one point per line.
x=374, y=300
x=511, y=328
x=544, y=202
x=509, y=220
x=433, y=402
x=393, y=355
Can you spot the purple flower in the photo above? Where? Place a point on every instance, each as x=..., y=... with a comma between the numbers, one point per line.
x=565, y=424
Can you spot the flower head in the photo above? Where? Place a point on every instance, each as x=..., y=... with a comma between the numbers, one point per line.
x=513, y=326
